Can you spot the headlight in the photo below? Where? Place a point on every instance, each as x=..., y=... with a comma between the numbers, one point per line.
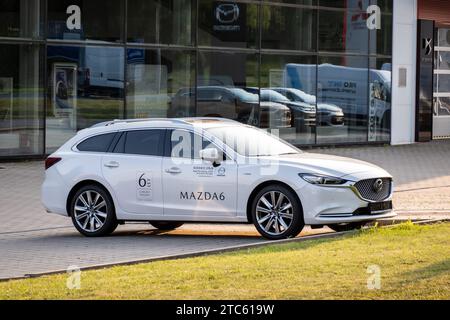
x=321, y=179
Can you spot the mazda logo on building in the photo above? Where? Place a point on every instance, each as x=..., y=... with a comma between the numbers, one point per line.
x=377, y=185
x=227, y=13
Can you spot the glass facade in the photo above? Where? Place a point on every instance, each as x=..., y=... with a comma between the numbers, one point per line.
x=442, y=74
x=316, y=70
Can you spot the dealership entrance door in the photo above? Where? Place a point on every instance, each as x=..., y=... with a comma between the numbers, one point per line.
x=441, y=94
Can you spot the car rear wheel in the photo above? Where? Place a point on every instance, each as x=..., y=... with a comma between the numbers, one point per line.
x=277, y=213
x=165, y=226
x=347, y=226
x=92, y=211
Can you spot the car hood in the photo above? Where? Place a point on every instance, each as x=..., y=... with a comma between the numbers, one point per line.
x=266, y=105
x=329, y=107
x=347, y=168
x=301, y=106
x=294, y=105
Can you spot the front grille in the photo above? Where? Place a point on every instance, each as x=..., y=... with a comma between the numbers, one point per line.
x=337, y=120
x=368, y=191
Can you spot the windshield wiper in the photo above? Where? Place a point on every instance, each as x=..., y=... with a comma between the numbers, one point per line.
x=271, y=155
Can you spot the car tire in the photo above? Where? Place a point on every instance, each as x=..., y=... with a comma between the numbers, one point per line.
x=347, y=226
x=166, y=225
x=276, y=218
x=92, y=211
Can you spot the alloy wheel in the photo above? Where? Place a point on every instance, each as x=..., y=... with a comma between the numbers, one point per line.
x=90, y=211
x=274, y=213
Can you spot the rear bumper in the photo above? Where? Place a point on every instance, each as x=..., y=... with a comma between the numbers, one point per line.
x=53, y=193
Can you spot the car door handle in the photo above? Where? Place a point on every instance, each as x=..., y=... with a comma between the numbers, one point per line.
x=173, y=170
x=112, y=164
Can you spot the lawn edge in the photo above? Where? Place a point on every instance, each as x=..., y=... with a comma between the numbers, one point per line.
x=235, y=248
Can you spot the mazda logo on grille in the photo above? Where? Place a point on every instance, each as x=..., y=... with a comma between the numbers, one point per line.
x=377, y=185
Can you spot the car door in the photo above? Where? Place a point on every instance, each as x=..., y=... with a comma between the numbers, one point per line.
x=194, y=187
x=133, y=170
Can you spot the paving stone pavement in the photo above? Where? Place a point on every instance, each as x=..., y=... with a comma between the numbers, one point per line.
x=33, y=241
x=57, y=249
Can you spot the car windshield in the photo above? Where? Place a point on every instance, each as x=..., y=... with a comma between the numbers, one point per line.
x=271, y=95
x=252, y=142
x=245, y=96
x=303, y=97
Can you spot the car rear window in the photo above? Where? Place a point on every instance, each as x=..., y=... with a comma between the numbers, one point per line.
x=142, y=142
x=98, y=143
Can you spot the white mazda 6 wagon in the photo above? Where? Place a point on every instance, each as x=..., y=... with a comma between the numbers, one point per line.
x=171, y=171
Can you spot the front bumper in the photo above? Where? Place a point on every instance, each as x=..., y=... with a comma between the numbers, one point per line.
x=329, y=205
x=321, y=220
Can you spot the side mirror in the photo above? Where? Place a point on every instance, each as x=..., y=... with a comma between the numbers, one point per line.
x=210, y=154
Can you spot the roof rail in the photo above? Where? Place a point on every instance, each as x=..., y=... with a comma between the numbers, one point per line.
x=109, y=123
x=187, y=120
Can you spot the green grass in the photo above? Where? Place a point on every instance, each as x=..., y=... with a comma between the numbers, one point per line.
x=414, y=262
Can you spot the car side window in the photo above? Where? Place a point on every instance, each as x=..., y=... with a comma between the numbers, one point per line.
x=227, y=98
x=141, y=142
x=209, y=95
x=99, y=143
x=290, y=96
x=185, y=144
x=120, y=145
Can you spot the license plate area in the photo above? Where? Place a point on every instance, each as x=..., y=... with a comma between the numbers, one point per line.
x=377, y=207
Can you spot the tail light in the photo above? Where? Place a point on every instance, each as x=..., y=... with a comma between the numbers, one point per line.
x=50, y=161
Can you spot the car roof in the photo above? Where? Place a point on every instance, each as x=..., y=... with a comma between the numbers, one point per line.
x=127, y=124
x=144, y=124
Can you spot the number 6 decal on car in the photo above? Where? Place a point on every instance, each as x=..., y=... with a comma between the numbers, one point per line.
x=144, y=185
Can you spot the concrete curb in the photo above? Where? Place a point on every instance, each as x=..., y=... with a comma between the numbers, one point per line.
x=330, y=235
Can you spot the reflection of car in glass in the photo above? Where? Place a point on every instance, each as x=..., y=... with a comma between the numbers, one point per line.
x=231, y=103
x=328, y=114
x=303, y=114
x=274, y=115
x=171, y=171
x=347, y=88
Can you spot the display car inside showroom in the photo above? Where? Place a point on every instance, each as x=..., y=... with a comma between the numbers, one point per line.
x=318, y=71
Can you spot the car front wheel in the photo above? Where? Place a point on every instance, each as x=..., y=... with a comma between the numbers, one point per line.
x=92, y=212
x=277, y=213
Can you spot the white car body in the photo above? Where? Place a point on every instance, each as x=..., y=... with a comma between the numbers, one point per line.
x=196, y=191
